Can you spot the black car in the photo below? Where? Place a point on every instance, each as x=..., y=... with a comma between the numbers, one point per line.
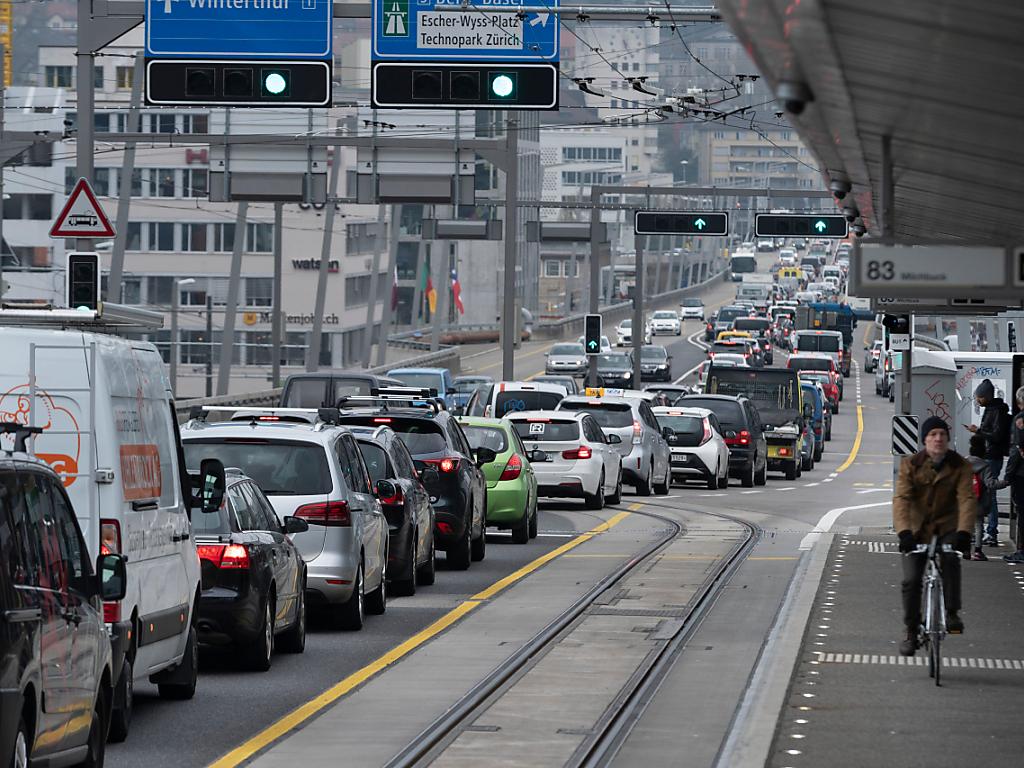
x=655, y=363
x=325, y=388
x=253, y=577
x=615, y=369
x=743, y=433
x=446, y=464
x=406, y=505
x=760, y=328
x=55, y=656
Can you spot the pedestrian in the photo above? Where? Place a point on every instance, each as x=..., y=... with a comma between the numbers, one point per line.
x=984, y=486
x=995, y=428
x=1014, y=477
x=933, y=497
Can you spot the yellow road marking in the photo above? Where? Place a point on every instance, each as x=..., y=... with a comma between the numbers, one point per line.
x=856, y=441
x=519, y=357
x=301, y=714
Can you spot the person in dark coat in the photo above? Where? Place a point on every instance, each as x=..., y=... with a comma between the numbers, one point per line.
x=995, y=428
x=1014, y=477
x=934, y=496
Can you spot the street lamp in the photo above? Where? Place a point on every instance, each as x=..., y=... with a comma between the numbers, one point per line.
x=685, y=164
x=175, y=298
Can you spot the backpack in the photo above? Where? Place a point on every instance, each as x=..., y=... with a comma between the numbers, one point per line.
x=978, y=486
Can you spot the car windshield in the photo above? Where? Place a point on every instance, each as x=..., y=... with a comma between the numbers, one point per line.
x=280, y=468
x=525, y=400
x=729, y=412
x=305, y=393
x=627, y=323
x=653, y=353
x=421, y=436
x=466, y=386
x=751, y=324
x=799, y=363
x=567, y=349
x=731, y=313
x=613, y=362
x=423, y=380
x=660, y=315
x=549, y=431
x=691, y=303
x=486, y=437
x=813, y=342
x=608, y=415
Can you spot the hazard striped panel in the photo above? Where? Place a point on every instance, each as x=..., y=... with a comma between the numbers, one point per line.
x=904, y=435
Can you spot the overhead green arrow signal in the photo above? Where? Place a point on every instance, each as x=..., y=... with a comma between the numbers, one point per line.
x=700, y=223
x=820, y=226
x=593, y=344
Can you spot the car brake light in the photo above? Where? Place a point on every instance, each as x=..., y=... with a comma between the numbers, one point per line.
x=110, y=543
x=583, y=452
x=512, y=469
x=742, y=438
x=269, y=418
x=381, y=420
x=783, y=451
x=707, y=432
x=332, y=514
x=637, y=431
x=230, y=556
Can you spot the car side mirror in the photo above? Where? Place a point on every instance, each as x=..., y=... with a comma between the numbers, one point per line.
x=210, y=485
x=537, y=456
x=112, y=574
x=483, y=455
x=294, y=524
x=613, y=439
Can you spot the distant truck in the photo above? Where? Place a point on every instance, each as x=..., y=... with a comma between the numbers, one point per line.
x=829, y=316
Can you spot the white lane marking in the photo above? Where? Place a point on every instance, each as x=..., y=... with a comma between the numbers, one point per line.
x=811, y=485
x=787, y=488
x=744, y=492
x=874, y=490
x=828, y=519
x=706, y=495
x=692, y=339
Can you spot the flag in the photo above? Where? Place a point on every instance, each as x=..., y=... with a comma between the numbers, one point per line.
x=424, y=277
x=457, y=293
x=431, y=296
x=394, y=290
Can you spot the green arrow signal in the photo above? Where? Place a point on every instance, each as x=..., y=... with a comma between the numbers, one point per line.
x=820, y=226
x=700, y=223
x=593, y=345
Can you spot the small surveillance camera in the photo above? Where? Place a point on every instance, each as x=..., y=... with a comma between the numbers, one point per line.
x=779, y=113
x=840, y=188
x=858, y=230
x=795, y=95
x=851, y=214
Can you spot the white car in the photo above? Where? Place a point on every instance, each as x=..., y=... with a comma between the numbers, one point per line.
x=698, y=449
x=624, y=334
x=691, y=308
x=666, y=321
x=722, y=359
x=787, y=257
x=570, y=456
x=606, y=344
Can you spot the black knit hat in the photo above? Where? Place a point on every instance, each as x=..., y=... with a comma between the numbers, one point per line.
x=933, y=422
x=985, y=389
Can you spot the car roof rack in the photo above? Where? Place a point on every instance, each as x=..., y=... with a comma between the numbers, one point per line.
x=21, y=432
x=268, y=415
x=108, y=318
x=398, y=397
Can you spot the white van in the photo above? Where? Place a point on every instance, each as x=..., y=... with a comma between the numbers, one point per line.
x=109, y=430
x=505, y=397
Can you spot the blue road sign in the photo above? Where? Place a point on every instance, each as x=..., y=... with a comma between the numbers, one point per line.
x=239, y=29
x=415, y=30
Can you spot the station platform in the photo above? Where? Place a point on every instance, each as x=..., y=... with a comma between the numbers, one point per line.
x=852, y=695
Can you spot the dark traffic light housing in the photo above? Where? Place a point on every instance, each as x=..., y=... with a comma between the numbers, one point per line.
x=592, y=334
x=405, y=84
x=800, y=225
x=82, y=280
x=248, y=83
x=681, y=223
x=896, y=323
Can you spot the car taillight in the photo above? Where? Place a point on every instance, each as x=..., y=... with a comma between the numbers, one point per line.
x=333, y=514
x=230, y=556
x=637, y=431
x=784, y=452
x=512, y=469
x=707, y=432
x=445, y=464
x=742, y=438
x=110, y=544
x=583, y=452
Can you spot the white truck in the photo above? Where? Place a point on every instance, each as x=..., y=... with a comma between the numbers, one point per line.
x=109, y=430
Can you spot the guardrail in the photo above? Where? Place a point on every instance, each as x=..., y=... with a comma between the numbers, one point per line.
x=444, y=358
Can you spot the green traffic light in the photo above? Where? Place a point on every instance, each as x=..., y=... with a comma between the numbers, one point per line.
x=275, y=82
x=700, y=223
x=501, y=86
x=820, y=225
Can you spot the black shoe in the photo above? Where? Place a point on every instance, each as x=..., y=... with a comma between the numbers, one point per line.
x=1016, y=557
x=909, y=643
x=990, y=541
x=954, y=624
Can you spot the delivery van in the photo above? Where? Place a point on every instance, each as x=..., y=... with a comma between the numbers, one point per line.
x=109, y=430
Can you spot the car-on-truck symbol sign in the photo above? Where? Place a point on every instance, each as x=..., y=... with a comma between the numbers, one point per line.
x=80, y=219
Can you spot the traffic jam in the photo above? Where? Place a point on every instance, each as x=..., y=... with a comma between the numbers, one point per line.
x=227, y=532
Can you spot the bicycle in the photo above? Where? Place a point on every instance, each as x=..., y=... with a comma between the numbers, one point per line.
x=933, y=606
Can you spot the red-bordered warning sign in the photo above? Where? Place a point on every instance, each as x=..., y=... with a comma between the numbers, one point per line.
x=82, y=215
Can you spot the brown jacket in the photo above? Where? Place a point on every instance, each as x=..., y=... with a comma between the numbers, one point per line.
x=930, y=503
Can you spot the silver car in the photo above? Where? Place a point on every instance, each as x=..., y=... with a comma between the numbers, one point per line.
x=566, y=358
x=646, y=460
x=312, y=470
x=576, y=458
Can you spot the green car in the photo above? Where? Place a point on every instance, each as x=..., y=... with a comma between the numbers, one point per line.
x=511, y=484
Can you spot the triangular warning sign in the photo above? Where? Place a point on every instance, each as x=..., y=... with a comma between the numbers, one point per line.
x=82, y=215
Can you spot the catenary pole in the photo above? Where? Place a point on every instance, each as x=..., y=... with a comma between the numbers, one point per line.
x=508, y=312
x=313, y=351
x=227, y=334
x=115, y=285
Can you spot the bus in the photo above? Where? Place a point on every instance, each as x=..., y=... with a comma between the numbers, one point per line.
x=742, y=264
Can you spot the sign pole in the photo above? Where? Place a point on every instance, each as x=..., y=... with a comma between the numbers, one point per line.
x=277, y=318
x=86, y=106
x=508, y=312
x=227, y=334
x=313, y=350
x=595, y=271
x=638, y=309
x=124, y=192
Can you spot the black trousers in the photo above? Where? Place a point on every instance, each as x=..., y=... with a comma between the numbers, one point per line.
x=913, y=573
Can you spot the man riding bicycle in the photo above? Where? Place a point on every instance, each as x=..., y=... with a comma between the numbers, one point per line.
x=934, y=496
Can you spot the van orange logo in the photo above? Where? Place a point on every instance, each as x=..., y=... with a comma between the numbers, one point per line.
x=140, y=472
x=14, y=406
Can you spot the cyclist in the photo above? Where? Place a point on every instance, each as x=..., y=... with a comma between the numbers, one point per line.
x=934, y=496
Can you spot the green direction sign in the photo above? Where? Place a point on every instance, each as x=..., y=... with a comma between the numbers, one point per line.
x=800, y=225
x=681, y=223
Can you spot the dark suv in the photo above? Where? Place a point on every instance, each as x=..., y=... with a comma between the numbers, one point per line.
x=55, y=656
x=447, y=466
x=325, y=388
x=743, y=433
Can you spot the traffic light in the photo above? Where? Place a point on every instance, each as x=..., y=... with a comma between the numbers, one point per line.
x=248, y=83
x=896, y=323
x=1011, y=336
x=429, y=84
x=800, y=225
x=681, y=223
x=82, y=280
x=592, y=334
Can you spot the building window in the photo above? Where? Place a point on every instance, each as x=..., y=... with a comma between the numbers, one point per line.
x=161, y=123
x=57, y=77
x=161, y=182
x=131, y=290
x=136, y=184
x=259, y=291
x=97, y=78
x=357, y=289
x=193, y=295
x=101, y=182
x=294, y=352
x=195, y=123
x=40, y=207
x=195, y=182
x=259, y=238
x=161, y=236
x=124, y=77
x=133, y=242
x=406, y=259
x=195, y=347
x=223, y=237
x=551, y=268
x=194, y=238
x=158, y=290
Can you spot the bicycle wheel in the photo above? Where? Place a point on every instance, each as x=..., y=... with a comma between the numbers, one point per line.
x=928, y=633
x=935, y=657
x=938, y=623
